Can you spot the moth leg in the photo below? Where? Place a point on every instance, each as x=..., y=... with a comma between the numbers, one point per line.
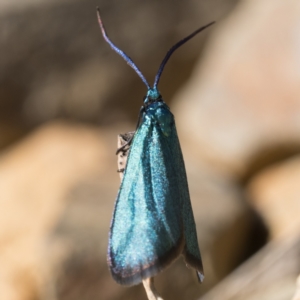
x=127, y=139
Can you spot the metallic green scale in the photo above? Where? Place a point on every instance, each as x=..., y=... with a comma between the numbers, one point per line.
x=153, y=221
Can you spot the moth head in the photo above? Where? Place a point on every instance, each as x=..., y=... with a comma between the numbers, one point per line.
x=153, y=95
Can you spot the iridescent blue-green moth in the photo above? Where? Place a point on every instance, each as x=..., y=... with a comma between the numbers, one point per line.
x=153, y=221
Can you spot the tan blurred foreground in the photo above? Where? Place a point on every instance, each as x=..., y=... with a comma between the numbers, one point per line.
x=238, y=119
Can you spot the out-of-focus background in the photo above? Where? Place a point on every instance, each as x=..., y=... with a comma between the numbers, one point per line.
x=64, y=97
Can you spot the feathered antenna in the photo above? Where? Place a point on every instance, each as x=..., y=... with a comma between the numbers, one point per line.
x=120, y=52
x=170, y=52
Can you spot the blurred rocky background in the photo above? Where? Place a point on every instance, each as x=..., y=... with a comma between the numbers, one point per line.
x=64, y=97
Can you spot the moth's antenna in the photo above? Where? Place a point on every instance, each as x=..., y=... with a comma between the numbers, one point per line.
x=120, y=52
x=170, y=52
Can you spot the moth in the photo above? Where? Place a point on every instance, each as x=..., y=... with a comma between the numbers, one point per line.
x=153, y=221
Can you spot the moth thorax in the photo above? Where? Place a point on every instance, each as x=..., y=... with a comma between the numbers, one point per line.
x=153, y=95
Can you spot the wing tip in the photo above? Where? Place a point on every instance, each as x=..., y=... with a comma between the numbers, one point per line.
x=200, y=276
x=195, y=263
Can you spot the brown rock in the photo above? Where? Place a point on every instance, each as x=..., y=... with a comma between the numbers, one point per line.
x=275, y=194
x=269, y=275
x=35, y=177
x=241, y=107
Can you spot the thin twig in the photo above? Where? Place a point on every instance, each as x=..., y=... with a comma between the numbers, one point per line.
x=297, y=293
x=151, y=292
